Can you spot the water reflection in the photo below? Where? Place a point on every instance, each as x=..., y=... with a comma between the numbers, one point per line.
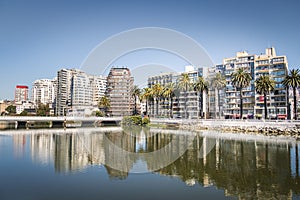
x=252, y=168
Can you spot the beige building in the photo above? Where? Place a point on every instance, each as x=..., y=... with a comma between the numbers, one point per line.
x=119, y=86
x=264, y=64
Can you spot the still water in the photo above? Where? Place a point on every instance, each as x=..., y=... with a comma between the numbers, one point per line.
x=143, y=163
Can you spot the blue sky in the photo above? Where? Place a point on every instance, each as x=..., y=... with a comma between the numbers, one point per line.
x=37, y=38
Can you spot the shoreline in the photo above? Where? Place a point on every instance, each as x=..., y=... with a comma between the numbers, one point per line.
x=266, y=128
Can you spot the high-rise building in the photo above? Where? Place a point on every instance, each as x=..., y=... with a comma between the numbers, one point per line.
x=63, y=93
x=77, y=92
x=43, y=91
x=265, y=64
x=98, y=88
x=119, y=87
x=81, y=89
x=184, y=102
x=21, y=93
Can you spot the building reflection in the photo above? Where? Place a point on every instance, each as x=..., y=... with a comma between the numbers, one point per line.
x=19, y=143
x=246, y=169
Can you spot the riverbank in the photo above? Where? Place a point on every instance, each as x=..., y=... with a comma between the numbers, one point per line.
x=254, y=127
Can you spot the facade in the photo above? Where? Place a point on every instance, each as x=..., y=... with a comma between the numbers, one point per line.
x=270, y=64
x=25, y=105
x=183, y=103
x=43, y=91
x=216, y=97
x=63, y=93
x=119, y=87
x=21, y=93
x=163, y=105
x=98, y=88
x=77, y=92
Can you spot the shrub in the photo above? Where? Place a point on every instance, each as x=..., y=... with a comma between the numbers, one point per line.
x=145, y=121
x=132, y=120
x=99, y=113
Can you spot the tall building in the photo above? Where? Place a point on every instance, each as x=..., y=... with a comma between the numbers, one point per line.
x=265, y=64
x=98, y=88
x=77, y=92
x=119, y=86
x=81, y=89
x=183, y=103
x=63, y=93
x=21, y=93
x=43, y=91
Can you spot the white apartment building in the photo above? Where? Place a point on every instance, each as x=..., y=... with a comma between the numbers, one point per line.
x=43, y=91
x=189, y=100
x=77, y=92
x=98, y=88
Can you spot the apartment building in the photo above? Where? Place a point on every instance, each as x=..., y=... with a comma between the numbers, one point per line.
x=264, y=64
x=185, y=104
x=78, y=93
x=119, y=87
x=21, y=93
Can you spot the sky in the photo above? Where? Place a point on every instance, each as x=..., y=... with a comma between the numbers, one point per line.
x=38, y=38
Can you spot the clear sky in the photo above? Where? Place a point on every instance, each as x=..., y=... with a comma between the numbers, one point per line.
x=37, y=38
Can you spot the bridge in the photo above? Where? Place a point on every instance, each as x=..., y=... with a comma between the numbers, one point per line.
x=16, y=122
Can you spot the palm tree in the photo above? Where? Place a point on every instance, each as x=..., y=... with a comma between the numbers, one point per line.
x=136, y=93
x=156, y=92
x=169, y=93
x=146, y=95
x=293, y=80
x=219, y=82
x=200, y=86
x=264, y=85
x=241, y=79
x=184, y=83
x=104, y=104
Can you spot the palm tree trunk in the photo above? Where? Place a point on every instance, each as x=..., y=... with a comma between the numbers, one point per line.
x=265, y=105
x=171, y=108
x=146, y=107
x=295, y=103
x=241, y=104
x=168, y=108
x=185, y=102
x=157, y=106
x=219, y=103
x=134, y=112
x=201, y=101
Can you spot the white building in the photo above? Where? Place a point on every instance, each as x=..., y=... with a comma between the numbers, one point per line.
x=98, y=88
x=63, y=93
x=78, y=93
x=21, y=93
x=43, y=91
x=24, y=105
x=184, y=102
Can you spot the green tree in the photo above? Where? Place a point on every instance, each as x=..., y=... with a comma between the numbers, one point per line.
x=219, y=82
x=136, y=93
x=104, y=104
x=169, y=93
x=200, y=86
x=156, y=92
x=147, y=96
x=99, y=113
x=241, y=79
x=264, y=85
x=24, y=113
x=184, y=83
x=11, y=109
x=43, y=110
x=292, y=80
